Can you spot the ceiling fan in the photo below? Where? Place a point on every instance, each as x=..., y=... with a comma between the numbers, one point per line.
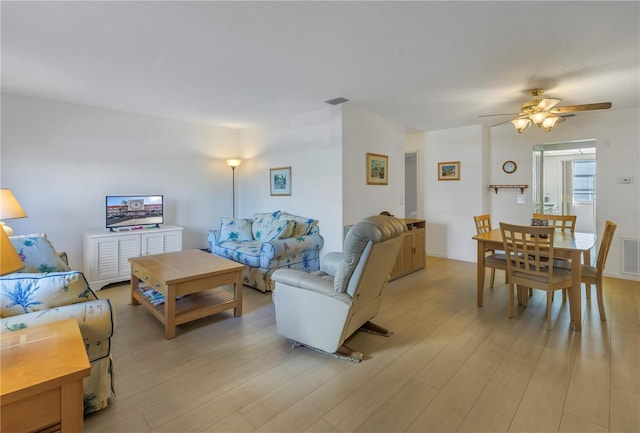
x=542, y=111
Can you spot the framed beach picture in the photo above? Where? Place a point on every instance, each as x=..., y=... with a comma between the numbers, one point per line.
x=449, y=170
x=377, y=169
x=280, y=181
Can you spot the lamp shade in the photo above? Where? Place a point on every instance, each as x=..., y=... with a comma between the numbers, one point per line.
x=9, y=206
x=233, y=163
x=521, y=124
x=539, y=117
x=9, y=259
x=549, y=123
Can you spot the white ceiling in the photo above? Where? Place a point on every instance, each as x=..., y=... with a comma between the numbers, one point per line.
x=429, y=65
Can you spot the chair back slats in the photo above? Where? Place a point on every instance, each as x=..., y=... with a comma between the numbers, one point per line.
x=493, y=261
x=605, y=244
x=529, y=250
x=483, y=223
x=562, y=223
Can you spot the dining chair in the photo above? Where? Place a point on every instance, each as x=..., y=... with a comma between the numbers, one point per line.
x=562, y=223
x=530, y=250
x=493, y=259
x=593, y=274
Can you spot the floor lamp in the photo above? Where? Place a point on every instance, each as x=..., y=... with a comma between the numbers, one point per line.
x=233, y=163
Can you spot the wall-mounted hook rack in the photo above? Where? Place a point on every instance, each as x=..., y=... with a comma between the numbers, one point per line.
x=520, y=187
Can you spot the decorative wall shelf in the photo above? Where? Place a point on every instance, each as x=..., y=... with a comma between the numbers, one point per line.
x=520, y=187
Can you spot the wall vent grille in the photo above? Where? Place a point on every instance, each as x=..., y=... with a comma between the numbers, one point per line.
x=631, y=256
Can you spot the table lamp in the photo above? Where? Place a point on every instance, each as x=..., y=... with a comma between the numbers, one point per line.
x=9, y=259
x=9, y=208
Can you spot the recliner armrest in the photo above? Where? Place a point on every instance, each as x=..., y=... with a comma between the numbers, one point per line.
x=314, y=282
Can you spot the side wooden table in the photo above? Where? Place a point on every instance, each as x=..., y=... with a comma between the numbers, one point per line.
x=42, y=372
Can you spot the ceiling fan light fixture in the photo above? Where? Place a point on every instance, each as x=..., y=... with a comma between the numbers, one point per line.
x=538, y=117
x=548, y=123
x=521, y=124
x=544, y=113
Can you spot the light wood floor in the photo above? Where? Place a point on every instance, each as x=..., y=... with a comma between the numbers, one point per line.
x=450, y=366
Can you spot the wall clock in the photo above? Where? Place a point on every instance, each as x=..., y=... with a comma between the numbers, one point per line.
x=509, y=167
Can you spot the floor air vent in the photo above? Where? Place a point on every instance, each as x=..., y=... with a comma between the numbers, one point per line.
x=631, y=256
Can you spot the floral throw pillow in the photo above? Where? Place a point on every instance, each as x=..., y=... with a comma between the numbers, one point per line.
x=37, y=254
x=235, y=229
x=261, y=223
x=26, y=293
x=302, y=225
x=281, y=230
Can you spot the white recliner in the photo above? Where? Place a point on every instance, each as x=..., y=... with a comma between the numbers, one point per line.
x=323, y=308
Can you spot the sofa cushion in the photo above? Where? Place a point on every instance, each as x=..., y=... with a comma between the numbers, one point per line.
x=37, y=254
x=261, y=223
x=25, y=293
x=235, y=229
x=247, y=253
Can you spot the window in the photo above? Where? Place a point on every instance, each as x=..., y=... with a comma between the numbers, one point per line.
x=584, y=181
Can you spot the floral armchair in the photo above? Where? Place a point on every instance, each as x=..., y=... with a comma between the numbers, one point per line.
x=267, y=242
x=30, y=298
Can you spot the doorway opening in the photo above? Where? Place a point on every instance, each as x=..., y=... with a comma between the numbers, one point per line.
x=565, y=181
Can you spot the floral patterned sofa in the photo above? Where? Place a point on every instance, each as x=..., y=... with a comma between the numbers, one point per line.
x=46, y=290
x=266, y=242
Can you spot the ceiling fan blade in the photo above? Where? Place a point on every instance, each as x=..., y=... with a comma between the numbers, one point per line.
x=547, y=103
x=584, y=107
x=501, y=123
x=561, y=118
x=503, y=114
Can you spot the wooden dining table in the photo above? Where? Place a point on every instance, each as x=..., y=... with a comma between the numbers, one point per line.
x=572, y=246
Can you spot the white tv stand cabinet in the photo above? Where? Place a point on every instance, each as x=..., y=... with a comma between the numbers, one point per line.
x=106, y=254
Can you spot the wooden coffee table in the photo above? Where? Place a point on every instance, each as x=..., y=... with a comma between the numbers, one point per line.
x=195, y=273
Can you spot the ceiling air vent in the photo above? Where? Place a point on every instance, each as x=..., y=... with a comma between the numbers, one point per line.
x=337, y=101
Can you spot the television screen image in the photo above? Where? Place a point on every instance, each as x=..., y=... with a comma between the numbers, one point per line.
x=134, y=210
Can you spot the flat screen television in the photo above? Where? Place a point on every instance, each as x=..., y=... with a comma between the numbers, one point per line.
x=133, y=210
